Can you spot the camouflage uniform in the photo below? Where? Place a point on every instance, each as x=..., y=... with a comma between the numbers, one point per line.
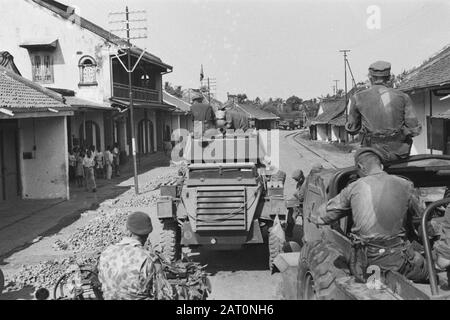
x=125, y=271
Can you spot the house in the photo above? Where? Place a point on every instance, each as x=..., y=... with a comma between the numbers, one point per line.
x=257, y=117
x=181, y=116
x=329, y=124
x=33, y=140
x=428, y=85
x=82, y=61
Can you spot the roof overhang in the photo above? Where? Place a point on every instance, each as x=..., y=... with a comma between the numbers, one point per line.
x=87, y=105
x=144, y=105
x=40, y=45
x=35, y=113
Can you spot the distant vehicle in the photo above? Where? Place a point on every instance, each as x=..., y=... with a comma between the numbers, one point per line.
x=287, y=124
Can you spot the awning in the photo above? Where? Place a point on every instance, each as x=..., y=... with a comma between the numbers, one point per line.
x=80, y=103
x=44, y=44
x=444, y=115
x=144, y=105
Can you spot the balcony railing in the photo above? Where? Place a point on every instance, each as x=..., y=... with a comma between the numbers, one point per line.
x=139, y=94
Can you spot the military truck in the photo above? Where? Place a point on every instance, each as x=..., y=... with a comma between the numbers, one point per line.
x=287, y=124
x=228, y=195
x=324, y=268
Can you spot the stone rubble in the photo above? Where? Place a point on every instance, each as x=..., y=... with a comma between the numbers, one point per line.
x=87, y=242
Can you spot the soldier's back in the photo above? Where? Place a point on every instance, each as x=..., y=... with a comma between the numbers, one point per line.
x=382, y=108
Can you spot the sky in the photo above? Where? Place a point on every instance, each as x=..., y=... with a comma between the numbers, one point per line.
x=279, y=48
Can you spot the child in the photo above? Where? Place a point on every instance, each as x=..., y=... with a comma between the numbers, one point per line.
x=79, y=171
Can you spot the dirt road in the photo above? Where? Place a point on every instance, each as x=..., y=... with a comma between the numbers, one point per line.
x=241, y=274
x=244, y=274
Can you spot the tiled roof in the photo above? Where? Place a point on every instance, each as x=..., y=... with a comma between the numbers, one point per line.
x=331, y=109
x=181, y=105
x=66, y=12
x=18, y=93
x=433, y=73
x=339, y=120
x=7, y=61
x=254, y=112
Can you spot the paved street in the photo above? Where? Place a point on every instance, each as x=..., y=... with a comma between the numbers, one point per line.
x=239, y=274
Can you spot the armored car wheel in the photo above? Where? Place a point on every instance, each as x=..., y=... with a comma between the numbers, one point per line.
x=2, y=281
x=275, y=248
x=318, y=271
x=170, y=240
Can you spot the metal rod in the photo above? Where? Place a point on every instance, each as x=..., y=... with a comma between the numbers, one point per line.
x=427, y=246
x=431, y=122
x=124, y=21
x=130, y=87
x=345, y=81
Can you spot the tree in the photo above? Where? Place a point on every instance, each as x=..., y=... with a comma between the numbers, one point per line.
x=293, y=103
x=177, y=91
x=257, y=101
x=241, y=97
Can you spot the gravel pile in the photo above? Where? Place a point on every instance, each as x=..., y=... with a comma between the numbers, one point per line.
x=87, y=242
x=106, y=229
x=45, y=274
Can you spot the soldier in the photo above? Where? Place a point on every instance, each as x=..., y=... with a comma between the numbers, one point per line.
x=236, y=120
x=384, y=116
x=300, y=194
x=299, y=177
x=378, y=203
x=126, y=269
x=202, y=112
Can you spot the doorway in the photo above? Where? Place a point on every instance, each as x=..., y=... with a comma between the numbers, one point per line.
x=9, y=168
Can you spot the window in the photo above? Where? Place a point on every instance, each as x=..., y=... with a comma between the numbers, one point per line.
x=42, y=66
x=88, y=71
x=145, y=81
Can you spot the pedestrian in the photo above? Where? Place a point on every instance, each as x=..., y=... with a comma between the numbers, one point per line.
x=109, y=159
x=378, y=203
x=116, y=161
x=89, y=164
x=99, y=164
x=79, y=170
x=72, y=164
x=383, y=116
x=126, y=269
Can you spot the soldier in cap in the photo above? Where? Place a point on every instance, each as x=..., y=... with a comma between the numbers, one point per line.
x=378, y=203
x=202, y=112
x=383, y=116
x=300, y=194
x=126, y=269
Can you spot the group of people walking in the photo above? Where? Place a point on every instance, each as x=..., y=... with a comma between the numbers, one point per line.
x=88, y=164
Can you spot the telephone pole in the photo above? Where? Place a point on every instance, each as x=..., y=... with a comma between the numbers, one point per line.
x=129, y=69
x=336, y=86
x=345, y=82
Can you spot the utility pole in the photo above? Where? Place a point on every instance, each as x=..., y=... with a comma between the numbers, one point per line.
x=130, y=71
x=336, y=86
x=345, y=86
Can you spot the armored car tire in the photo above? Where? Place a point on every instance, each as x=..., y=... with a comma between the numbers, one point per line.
x=170, y=240
x=318, y=271
x=275, y=248
x=2, y=281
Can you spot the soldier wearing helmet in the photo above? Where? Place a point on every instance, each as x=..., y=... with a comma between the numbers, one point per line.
x=383, y=116
x=126, y=269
